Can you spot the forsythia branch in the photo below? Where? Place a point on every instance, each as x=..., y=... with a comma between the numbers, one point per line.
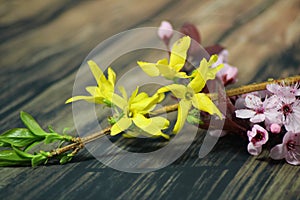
x=79, y=143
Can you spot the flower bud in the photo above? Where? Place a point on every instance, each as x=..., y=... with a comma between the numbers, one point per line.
x=275, y=128
x=165, y=31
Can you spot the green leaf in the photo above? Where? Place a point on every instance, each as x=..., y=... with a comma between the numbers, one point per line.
x=12, y=158
x=40, y=158
x=65, y=159
x=4, y=144
x=22, y=153
x=52, y=137
x=36, y=159
x=65, y=130
x=28, y=147
x=50, y=128
x=32, y=125
x=68, y=138
x=18, y=137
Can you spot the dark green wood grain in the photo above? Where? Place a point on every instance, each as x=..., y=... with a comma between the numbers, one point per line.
x=42, y=44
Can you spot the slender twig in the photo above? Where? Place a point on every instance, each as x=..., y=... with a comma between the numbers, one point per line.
x=234, y=92
x=94, y=136
x=64, y=149
x=261, y=86
x=78, y=143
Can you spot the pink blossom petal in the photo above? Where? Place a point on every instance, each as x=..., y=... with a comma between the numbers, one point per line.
x=272, y=103
x=232, y=72
x=273, y=117
x=257, y=118
x=251, y=134
x=254, y=150
x=240, y=103
x=292, y=123
x=274, y=88
x=277, y=152
x=252, y=101
x=293, y=157
x=297, y=92
x=263, y=135
x=295, y=89
x=293, y=120
x=289, y=149
x=261, y=129
x=228, y=74
x=224, y=55
x=288, y=137
x=245, y=113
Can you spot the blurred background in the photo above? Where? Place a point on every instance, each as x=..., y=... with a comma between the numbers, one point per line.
x=42, y=44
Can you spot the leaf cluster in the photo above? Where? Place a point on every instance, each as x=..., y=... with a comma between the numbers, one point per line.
x=18, y=142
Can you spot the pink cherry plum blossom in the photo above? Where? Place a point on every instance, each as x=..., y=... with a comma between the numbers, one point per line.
x=259, y=111
x=289, y=149
x=257, y=137
x=228, y=74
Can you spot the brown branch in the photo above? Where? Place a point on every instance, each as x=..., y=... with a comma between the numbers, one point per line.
x=234, y=92
x=78, y=143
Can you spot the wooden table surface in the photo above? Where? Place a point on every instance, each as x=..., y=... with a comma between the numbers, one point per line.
x=42, y=44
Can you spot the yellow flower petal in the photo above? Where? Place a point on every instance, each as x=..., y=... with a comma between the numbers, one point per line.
x=202, y=102
x=183, y=110
x=198, y=82
x=130, y=134
x=161, y=97
x=133, y=95
x=179, y=53
x=171, y=69
x=166, y=71
x=212, y=60
x=161, y=122
x=119, y=101
x=149, y=68
x=145, y=105
x=120, y=126
x=104, y=91
x=123, y=92
x=150, y=125
x=86, y=98
x=94, y=91
x=177, y=90
x=205, y=69
x=182, y=75
x=163, y=62
x=98, y=74
x=111, y=76
x=140, y=97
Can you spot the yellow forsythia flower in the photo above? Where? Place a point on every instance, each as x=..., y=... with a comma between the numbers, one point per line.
x=171, y=69
x=205, y=72
x=134, y=110
x=189, y=95
x=104, y=91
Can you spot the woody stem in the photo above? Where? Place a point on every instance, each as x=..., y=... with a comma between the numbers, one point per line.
x=79, y=142
x=234, y=92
